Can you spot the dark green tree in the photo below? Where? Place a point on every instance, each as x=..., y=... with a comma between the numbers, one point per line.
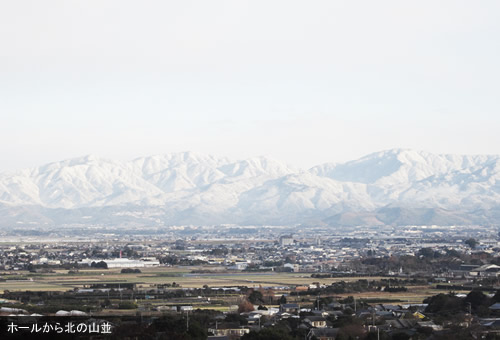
x=196, y=331
x=256, y=297
x=100, y=264
x=476, y=298
x=471, y=243
x=444, y=304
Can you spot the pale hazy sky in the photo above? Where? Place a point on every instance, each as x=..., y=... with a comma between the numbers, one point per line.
x=305, y=82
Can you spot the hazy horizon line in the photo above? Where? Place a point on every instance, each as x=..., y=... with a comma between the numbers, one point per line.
x=232, y=159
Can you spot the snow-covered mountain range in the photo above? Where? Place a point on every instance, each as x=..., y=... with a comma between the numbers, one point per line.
x=390, y=187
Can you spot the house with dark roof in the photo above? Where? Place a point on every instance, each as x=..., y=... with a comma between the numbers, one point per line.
x=488, y=270
x=401, y=323
x=292, y=308
x=322, y=333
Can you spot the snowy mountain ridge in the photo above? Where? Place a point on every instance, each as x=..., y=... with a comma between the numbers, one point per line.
x=191, y=188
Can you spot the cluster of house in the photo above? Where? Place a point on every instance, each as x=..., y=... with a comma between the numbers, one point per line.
x=318, y=325
x=306, y=250
x=25, y=256
x=407, y=319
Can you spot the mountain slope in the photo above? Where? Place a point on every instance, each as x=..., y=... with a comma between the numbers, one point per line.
x=390, y=187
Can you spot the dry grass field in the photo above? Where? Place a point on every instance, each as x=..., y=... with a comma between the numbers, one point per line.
x=61, y=280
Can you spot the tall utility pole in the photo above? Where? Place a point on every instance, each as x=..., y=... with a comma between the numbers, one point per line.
x=469, y=321
x=187, y=320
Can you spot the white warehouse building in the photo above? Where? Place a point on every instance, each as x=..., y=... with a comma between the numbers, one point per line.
x=123, y=263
